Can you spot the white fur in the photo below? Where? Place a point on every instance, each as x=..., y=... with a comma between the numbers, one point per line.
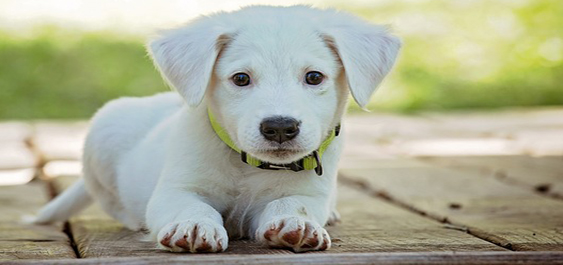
x=156, y=162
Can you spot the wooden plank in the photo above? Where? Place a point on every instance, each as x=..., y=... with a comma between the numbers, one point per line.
x=535, y=131
x=369, y=225
x=540, y=141
x=541, y=174
x=14, y=131
x=14, y=152
x=18, y=176
x=98, y=235
x=373, y=225
x=25, y=241
x=494, y=258
x=59, y=141
x=514, y=218
x=380, y=135
x=505, y=132
x=500, y=121
x=108, y=238
x=16, y=155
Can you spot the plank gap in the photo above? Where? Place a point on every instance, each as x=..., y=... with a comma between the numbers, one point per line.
x=382, y=194
x=68, y=231
x=53, y=192
x=39, y=157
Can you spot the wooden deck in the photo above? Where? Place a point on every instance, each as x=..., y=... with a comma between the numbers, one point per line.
x=466, y=188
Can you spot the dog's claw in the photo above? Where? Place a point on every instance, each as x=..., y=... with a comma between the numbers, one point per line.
x=294, y=233
x=193, y=236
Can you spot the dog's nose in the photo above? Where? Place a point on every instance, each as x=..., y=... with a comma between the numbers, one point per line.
x=279, y=129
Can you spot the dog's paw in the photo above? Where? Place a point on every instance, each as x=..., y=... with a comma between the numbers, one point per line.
x=193, y=236
x=295, y=233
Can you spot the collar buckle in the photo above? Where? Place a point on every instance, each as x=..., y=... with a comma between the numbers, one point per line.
x=295, y=166
x=319, y=168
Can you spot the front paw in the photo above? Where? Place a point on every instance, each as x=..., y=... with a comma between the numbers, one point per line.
x=295, y=233
x=193, y=236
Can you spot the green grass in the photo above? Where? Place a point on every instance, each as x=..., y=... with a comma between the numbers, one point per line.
x=70, y=75
x=473, y=55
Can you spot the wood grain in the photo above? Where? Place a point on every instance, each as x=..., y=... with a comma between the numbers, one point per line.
x=14, y=153
x=369, y=225
x=98, y=235
x=495, y=258
x=512, y=217
x=19, y=240
x=541, y=174
x=372, y=225
x=59, y=141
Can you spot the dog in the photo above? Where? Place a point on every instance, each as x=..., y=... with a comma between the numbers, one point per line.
x=247, y=145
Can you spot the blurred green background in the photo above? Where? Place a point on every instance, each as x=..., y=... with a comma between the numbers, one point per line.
x=456, y=55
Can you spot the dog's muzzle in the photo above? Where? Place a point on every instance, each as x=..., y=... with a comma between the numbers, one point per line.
x=309, y=162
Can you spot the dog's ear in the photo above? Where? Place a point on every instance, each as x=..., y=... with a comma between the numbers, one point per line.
x=186, y=57
x=367, y=52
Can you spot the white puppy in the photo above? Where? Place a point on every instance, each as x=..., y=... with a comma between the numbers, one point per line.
x=259, y=89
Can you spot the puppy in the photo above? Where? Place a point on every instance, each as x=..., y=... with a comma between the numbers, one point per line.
x=248, y=144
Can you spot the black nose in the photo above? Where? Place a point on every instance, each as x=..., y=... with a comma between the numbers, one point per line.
x=279, y=129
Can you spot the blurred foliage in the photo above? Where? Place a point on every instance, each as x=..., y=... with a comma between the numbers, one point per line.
x=470, y=54
x=456, y=55
x=68, y=75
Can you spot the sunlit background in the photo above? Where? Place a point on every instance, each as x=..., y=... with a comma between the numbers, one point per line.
x=64, y=59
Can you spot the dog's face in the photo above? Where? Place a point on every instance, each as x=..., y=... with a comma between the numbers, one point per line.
x=277, y=94
x=277, y=79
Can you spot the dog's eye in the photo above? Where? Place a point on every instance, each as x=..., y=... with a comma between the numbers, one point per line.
x=314, y=78
x=241, y=79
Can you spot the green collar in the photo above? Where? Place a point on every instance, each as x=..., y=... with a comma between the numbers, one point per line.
x=311, y=161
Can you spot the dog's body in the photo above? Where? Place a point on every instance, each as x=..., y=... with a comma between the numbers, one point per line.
x=157, y=162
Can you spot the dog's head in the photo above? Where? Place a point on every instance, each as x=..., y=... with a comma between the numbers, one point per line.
x=276, y=78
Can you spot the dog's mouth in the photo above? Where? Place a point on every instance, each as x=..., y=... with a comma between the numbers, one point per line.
x=280, y=151
x=281, y=155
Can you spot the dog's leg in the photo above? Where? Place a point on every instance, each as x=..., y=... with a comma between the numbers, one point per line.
x=294, y=222
x=183, y=222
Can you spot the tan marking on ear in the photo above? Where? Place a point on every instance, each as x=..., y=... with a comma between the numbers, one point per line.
x=331, y=44
x=222, y=42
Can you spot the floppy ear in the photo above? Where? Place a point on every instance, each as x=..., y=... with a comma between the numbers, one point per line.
x=366, y=51
x=186, y=56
